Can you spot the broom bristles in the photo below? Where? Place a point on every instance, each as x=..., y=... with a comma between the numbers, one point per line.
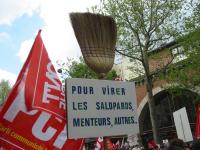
x=95, y=32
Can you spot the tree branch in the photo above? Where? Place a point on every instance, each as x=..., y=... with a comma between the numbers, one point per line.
x=135, y=32
x=118, y=51
x=159, y=39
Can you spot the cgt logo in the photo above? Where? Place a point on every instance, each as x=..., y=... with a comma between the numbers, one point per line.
x=42, y=122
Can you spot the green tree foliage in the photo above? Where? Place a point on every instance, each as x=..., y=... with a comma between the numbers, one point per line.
x=78, y=69
x=144, y=25
x=4, y=90
x=193, y=22
x=187, y=72
x=81, y=70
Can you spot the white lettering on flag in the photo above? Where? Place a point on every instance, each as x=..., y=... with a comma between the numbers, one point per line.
x=42, y=126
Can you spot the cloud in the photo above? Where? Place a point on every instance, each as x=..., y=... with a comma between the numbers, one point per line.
x=4, y=36
x=8, y=76
x=12, y=9
x=25, y=49
x=57, y=33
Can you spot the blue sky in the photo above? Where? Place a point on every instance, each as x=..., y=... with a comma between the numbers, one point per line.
x=20, y=22
x=20, y=30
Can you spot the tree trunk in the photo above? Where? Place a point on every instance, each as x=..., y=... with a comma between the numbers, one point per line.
x=151, y=102
x=152, y=111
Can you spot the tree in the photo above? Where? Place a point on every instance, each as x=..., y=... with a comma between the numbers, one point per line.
x=4, y=90
x=144, y=25
x=78, y=69
x=192, y=22
x=188, y=74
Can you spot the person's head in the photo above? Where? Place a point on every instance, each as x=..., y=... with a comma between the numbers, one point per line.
x=176, y=144
x=195, y=145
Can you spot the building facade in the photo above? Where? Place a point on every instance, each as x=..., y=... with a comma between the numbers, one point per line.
x=166, y=101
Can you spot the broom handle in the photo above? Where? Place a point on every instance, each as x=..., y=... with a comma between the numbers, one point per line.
x=101, y=76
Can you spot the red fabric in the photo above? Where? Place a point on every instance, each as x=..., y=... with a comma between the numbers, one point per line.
x=197, y=132
x=109, y=144
x=43, y=87
x=116, y=145
x=38, y=127
x=151, y=144
x=99, y=145
x=102, y=145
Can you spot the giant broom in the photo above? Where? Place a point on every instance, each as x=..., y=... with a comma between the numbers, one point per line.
x=96, y=35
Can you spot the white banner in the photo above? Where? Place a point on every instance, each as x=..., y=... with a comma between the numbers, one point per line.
x=182, y=125
x=100, y=108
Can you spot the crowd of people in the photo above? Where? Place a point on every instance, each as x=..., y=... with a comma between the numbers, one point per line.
x=174, y=144
x=147, y=143
x=178, y=144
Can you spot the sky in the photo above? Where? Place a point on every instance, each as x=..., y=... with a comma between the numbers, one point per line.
x=20, y=21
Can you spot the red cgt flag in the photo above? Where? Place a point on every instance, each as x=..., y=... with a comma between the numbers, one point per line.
x=197, y=132
x=43, y=125
x=43, y=87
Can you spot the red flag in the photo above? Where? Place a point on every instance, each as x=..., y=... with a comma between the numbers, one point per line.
x=43, y=87
x=116, y=145
x=109, y=144
x=39, y=127
x=197, y=132
x=99, y=145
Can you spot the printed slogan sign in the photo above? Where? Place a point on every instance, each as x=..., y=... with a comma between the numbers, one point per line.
x=100, y=108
